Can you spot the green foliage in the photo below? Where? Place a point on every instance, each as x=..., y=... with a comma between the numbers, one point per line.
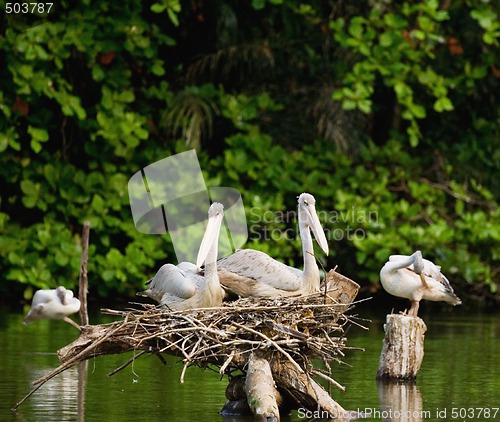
x=399, y=46
x=74, y=119
x=368, y=212
x=402, y=45
x=90, y=95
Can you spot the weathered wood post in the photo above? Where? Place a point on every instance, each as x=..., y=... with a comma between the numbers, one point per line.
x=403, y=348
x=340, y=288
x=83, y=280
x=262, y=395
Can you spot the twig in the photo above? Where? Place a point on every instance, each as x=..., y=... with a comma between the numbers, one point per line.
x=132, y=359
x=186, y=364
x=226, y=362
x=329, y=379
x=277, y=346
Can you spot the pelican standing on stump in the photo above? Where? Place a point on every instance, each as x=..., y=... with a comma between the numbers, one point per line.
x=183, y=287
x=415, y=278
x=253, y=273
x=53, y=304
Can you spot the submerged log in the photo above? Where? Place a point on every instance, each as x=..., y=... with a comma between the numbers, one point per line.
x=403, y=348
x=301, y=388
x=262, y=396
x=295, y=389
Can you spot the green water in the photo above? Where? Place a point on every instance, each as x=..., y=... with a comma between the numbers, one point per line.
x=459, y=379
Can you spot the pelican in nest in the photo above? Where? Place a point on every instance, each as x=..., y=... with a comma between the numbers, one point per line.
x=53, y=304
x=415, y=278
x=253, y=273
x=182, y=286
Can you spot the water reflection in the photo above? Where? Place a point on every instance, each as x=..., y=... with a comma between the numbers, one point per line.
x=57, y=396
x=61, y=398
x=149, y=391
x=83, y=368
x=401, y=402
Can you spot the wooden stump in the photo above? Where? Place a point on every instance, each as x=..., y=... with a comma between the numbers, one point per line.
x=403, y=348
x=262, y=395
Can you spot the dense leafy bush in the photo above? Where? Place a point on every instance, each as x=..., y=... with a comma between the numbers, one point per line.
x=405, y=154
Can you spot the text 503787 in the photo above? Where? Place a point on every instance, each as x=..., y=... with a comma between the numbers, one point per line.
x=18, y=8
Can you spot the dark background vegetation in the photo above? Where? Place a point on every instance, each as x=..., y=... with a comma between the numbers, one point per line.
x=386, y=111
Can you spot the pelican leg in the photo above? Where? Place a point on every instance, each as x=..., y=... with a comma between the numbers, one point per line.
x=71, y=322
x=424, y=283
x=414, y=308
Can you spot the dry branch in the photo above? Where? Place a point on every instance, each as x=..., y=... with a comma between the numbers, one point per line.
x=83, y=279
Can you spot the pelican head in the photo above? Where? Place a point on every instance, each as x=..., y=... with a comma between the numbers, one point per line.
x=309, y=217
x=418, y=263
x=215, y=216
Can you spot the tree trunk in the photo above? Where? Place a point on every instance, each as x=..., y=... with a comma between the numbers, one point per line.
x=403, y=348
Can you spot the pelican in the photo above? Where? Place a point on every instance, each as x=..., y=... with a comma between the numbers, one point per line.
x=183, y=287
x=253, y=273
x=53, y=304
x=423, y=281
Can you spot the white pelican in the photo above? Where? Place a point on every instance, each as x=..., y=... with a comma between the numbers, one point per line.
x=183, y=287
x=53, y=304
x=248, y=272
x=423, y=281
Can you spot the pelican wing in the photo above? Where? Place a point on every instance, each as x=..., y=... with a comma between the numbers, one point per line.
x=256, y=266
x=188, y=267
x=43, y=296
x=173, y=281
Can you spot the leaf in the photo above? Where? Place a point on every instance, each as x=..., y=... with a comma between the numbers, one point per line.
x=386, y=39
x=158, y=8
x=29, y=188
x=37, y=134
x=443, y=104
x=418, y=111
x=157, y=68
x=258, y=4
x=35, y=146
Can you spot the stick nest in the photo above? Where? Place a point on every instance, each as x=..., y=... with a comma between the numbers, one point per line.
x=298, y=329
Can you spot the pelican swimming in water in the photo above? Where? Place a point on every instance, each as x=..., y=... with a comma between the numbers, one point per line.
x=248, y=272
x=423, y=281
x=182, y=286
x=53, y=304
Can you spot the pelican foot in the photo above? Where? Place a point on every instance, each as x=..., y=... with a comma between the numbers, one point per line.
x=414, y=309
